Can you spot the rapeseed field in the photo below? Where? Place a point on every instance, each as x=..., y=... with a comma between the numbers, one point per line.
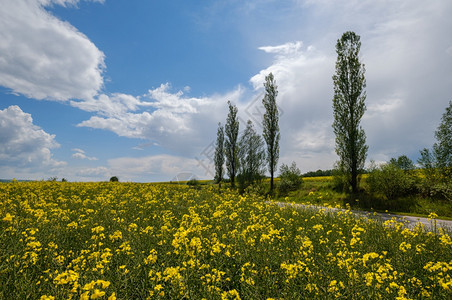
x=61, y=240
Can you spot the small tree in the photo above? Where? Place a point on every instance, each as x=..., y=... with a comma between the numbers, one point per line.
x=289, y=178
x=219, y=155
x=349, y=107
x=270, y=124
x=391, y=181
x=251, y=155
x=114, y=179
x=403, y=163
x=231, y=142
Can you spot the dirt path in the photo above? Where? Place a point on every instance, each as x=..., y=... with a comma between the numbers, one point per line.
x=408, y=221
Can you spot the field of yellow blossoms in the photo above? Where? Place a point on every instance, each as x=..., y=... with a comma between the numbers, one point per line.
x=61, y=240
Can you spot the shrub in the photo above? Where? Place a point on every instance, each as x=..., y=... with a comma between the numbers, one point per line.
x=439, y=190
x=391, y=181
x=290, y=178
x=341, y=181
x=114, y=179
x=194, y=183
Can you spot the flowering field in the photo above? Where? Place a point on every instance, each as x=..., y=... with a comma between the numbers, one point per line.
x=138, y=241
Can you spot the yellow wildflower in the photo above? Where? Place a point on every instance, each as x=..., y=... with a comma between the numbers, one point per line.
x=8, y=217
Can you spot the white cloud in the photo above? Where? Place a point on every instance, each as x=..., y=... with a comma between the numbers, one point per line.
x=154, y=168
x=150, y=168
x=23, y=144
x=43, y=57
x=181, y=124
x=115, y=105
x=101, y=173
x=80, y=154
x=407, y=71
x=406, y=46
x=285, y=50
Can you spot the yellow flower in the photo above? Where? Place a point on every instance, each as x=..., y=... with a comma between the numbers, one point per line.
x=45, y=297
x=404, y=246
x=8, y=218
x=152, y=257
x=432, y=216
x=97, y=229
x=112, y=297
x=233, y=294
x=97, y=294
x=84, y=296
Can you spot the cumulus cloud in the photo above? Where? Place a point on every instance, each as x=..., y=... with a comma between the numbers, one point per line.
x=80, y=154
x=116, y=104
x=406, y=46
x=43, y=57
x=23, y=144
x=172, y=120
x=407, y=71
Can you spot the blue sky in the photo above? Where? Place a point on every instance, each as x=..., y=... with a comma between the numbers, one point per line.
x=135, y=89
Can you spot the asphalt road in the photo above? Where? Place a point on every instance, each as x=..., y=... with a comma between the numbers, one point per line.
x=408, y=221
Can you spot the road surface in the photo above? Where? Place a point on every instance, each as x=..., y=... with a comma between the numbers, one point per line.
x=408, y=221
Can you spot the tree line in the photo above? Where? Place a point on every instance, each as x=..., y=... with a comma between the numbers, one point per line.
x=247, y=157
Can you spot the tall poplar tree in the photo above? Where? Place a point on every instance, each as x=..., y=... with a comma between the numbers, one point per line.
x=251, y=156
x=349, y=107
x=231, y=148
x=219, y=155
x=443, y=148
x=271, y=126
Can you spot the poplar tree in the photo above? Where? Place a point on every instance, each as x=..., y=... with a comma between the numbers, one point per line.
x=219, y=155
x=231, y=142
x=270, y=125
x=443, y=148
x=349, y=107
x=251, y=156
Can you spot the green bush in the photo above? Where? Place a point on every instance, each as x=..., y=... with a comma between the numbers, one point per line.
x=341, y=181
x=391, y=181
x=440, y=190
x=290, y=179
x=194, y=183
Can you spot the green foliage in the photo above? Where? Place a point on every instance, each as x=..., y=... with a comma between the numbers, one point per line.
x=437, y=164
x=391, y=181
x=231, y=148
x=403, y=163
x=341, y=180
x=290, y=178
x=219, y=155
x=251, y=157
x=194, y=183
x=349, y=107
x=270, y=124
x=114, y=179
x=443, y=148
x=318, y=173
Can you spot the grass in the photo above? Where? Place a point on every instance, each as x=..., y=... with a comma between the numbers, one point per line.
x=319, y=191
x=157, y=241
